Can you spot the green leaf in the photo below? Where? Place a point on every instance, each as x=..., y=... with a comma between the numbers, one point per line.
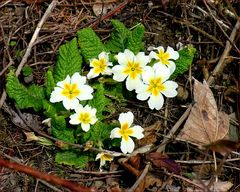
x=69, y=61
x=184, y=61
x=98, y=133
x=115, y=92
x=89, y=43
x=101, y=131
x=72, y=158
x=50, y=83
x=135, y=40
x=50, y=110
x=27, y=70
x=118, y=40
x=99, y=101
x=60, y=131
x=24, y=97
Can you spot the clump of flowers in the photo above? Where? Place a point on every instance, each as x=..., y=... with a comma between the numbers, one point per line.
x=155, y=85
x=165, y=57
x=71, y=90
x=125, y=132
x=100, y=66
x=131, y=67
x=85, y=116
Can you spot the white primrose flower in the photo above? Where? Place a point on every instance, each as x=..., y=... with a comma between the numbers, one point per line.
x=100, y=66
x=71, y=90
x=156, y=84
x=103, y=158
x=126, y=120
x=165, y=57
x=131, y=67
x=85, y=116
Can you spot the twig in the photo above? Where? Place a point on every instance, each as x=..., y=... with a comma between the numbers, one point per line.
x=221, y=64
x=49, y=178
x=140, y=179
x=5, y=3
x=185, y=179
x=30, y=45
x=174, y=129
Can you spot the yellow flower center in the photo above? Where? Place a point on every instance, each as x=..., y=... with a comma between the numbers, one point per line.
x=155, y=86
x=99, y=65
x=84, y=118
x=70, y=91
x=125, y=132
x=163, y=57
x=132, y=69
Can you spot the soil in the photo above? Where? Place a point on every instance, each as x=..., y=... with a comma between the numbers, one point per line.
x=207, y=25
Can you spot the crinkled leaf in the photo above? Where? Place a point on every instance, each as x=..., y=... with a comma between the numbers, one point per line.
x=98, y=132
x=69, y=61
x=23, y=96
x=118, y=40
x=89, y=43
x=60, y=131
x=115, y=92
x=50, y=110
x=184, y=62
x=135, y=40
x=50, y=83
x=72, y=158
x=27, y=70
x=99, y=101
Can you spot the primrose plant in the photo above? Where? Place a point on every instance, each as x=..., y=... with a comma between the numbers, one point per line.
x=91, y=81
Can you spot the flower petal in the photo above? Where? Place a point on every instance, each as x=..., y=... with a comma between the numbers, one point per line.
x=132, y=84
x=143, y=96
x=153, y=55
x=137, y=131
x=170, y=89
x=122, y=59
x=91, y=74
x=98, y=156
x=142, y=59
x=70, y=103
x=86, y=92
x=173, y=54
x=56, y=95
x=78, y=108
x=127, y=146
x=74, y=119
x=118, y=74
x=62, y=83
x=148, y=74
x=126, y=118
x=108, y=71
x=85, y=127
x=77, y=78
x=156, y=102
x=115, y=133
x=171, y=66
x=162, y=71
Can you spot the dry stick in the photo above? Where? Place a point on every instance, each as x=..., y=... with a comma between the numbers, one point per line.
x=174, y=129
x=30, y=45
x=221, y=64
x=47, y=177
x=139, y=180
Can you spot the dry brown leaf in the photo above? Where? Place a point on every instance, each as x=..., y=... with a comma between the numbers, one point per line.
x=205, y=123
x=150, y=136
x=220, y=186
x=101, y=7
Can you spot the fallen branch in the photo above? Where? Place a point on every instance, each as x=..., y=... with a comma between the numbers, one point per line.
x=46, y=177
